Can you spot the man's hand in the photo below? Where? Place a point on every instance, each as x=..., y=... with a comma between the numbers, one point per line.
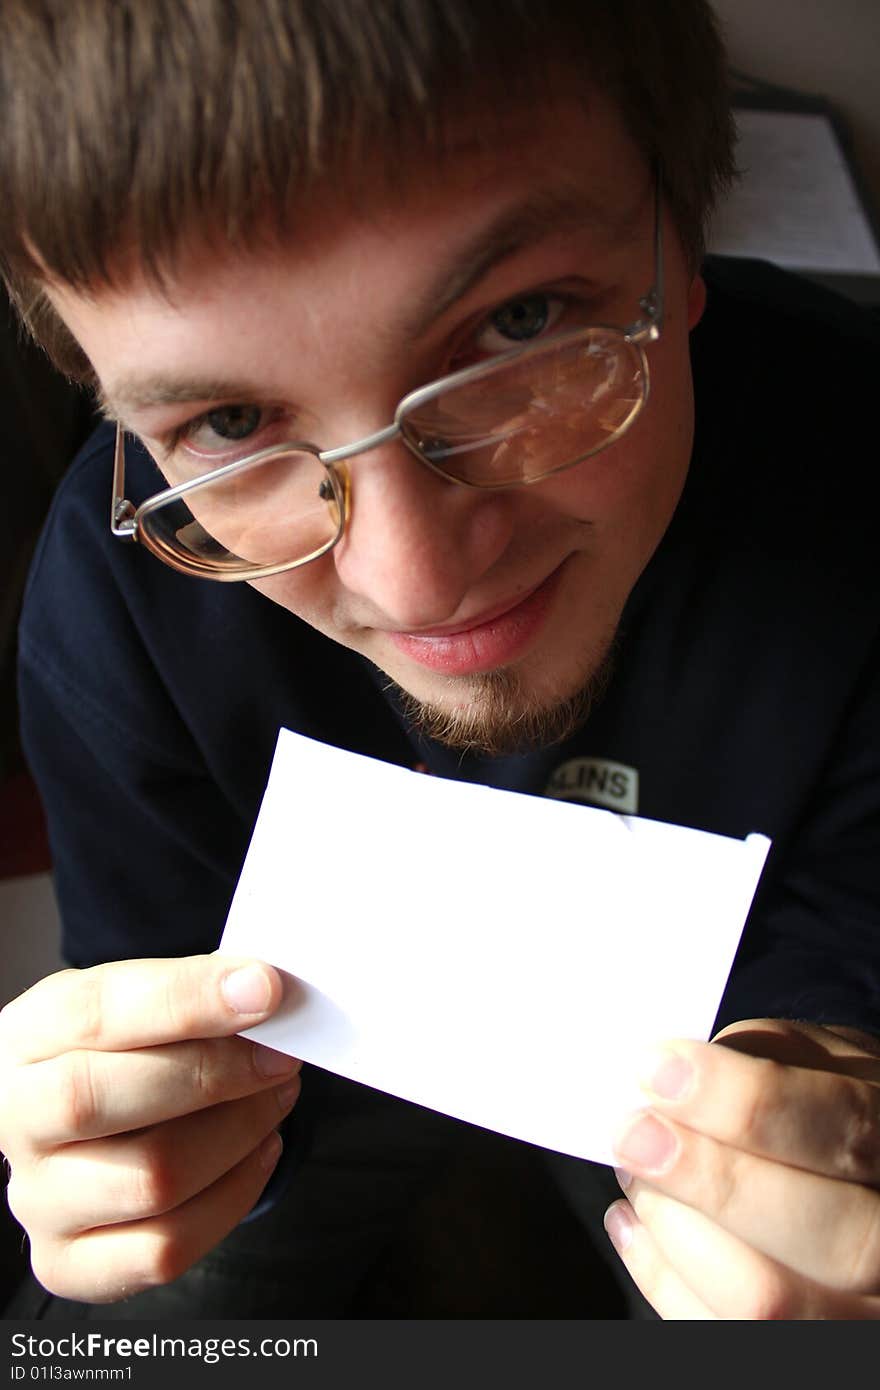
x=138, y=1130
x=753, y=1184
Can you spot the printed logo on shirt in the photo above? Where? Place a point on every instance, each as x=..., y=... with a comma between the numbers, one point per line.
x=597, y=782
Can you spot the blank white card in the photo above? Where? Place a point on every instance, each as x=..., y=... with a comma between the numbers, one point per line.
x=505, y=959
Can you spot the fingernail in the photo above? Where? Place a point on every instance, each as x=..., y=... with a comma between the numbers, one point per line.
x=619, y=1226
x=270, y=1151
x=669, y=1075
x=268, y=1062
x=624, y=1178
x=648, y=1145
x=247, y=990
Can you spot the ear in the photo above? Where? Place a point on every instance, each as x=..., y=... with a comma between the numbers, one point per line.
x=696, y=302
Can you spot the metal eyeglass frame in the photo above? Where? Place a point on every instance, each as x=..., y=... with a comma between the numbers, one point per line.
x=126, y=519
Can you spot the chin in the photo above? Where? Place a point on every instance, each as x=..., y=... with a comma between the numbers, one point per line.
x=501, y=715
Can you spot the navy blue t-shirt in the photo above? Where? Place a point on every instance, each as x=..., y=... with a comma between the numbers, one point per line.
x=744, y=694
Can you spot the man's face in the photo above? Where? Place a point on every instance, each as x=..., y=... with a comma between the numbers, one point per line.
x=492, y=609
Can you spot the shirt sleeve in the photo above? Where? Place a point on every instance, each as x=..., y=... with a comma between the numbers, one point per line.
x=144, y=860
x=811, y=948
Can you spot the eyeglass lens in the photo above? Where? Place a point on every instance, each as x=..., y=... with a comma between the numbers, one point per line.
x=278, y=509
x=526, y=419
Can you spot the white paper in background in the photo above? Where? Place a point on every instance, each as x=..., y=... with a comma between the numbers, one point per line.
x=797, y=203
x=505, y=959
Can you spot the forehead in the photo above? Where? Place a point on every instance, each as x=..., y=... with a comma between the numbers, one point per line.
x=575, y=137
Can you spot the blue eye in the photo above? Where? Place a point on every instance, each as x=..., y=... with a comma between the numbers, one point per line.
x=522, y=319
x=518, y=322
x=234, y=421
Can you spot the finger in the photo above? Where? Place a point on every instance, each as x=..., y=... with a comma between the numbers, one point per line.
x=654, y=1277
x=823, y=1121
x=85, y=1095
x=823, y=1228
x=133, y=1177
x=734, y=1280
x=141, y=1003
x=115, y=1262
x=806, y=1045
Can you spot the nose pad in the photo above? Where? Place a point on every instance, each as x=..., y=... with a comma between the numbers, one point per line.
x=415, y=543
x=335, y=490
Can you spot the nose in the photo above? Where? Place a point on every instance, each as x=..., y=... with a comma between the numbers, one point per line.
x=415, y=544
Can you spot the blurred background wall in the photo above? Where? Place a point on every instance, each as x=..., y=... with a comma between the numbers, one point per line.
x=828, y=48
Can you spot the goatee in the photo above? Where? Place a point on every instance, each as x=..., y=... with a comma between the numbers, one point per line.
x=501, y=719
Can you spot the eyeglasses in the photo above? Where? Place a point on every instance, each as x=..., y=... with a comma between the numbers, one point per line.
x=529, y=413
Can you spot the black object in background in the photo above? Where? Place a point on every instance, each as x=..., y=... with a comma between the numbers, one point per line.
x=44, y=418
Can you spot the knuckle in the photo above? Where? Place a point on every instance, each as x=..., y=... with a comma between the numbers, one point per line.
x=90, y=1006
x=722, y=1184
x=174, y=1005
x=76, y=1094
x=12, y=1028
x=21, y=1017
x=206, y=1077
x=858, y=1153
x=152, y=1181
x=184, y=996
x=760, y=1107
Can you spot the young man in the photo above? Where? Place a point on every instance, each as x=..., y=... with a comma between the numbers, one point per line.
x=259, y=229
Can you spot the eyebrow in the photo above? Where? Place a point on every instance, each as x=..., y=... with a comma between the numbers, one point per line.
x=137, y=392
x=543, y=213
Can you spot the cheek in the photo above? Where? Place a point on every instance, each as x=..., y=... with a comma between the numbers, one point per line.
x=635, y=484
x=310, y=593
x=628, y=493
x=656, y=453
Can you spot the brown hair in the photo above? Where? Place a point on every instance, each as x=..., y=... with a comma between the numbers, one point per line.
x=129, y=125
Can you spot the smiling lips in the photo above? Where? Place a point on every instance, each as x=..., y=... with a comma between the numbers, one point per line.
x=485, y=646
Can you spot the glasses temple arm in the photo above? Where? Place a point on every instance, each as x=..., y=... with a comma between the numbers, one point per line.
x=121, y=511
x=653, y=303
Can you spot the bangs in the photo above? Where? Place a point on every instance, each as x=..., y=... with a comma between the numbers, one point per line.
x=162, y=121
x=135, y=128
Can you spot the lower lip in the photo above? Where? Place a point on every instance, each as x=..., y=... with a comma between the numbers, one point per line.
x=485, y=647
